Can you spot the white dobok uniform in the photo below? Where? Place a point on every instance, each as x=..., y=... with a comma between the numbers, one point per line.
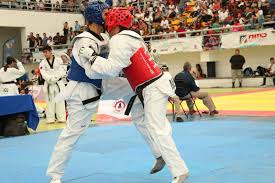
x=80, y=114
x=8, y=79
x=53, y=74
x=152, y=117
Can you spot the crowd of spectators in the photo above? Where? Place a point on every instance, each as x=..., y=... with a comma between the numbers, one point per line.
x=36, y=42
x=176, y=16
x=44, y=5
x=164, y=16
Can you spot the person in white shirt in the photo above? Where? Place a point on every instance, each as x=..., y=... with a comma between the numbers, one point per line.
x=164, y=23
x=50, y=41
x=223, y=14
x=52, y=71
x=8, y=75
x=270, y=71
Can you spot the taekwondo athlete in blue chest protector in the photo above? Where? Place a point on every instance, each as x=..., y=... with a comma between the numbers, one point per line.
x=82, y=94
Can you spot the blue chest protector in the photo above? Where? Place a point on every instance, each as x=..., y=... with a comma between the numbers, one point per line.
x=77, y=73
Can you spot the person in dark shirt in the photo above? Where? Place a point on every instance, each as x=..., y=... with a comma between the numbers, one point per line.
x=57, y=39
x=39, y=41
x=237, y=61
x=32, y=42
x=186, y=88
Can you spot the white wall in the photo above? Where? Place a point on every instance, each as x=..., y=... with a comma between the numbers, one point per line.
x=38, y=22
x=175, y=61
x=255, y=56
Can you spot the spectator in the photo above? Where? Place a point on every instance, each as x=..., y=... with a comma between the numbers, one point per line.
x=48, y=5
x=269, y=71
x=57, y=6
x=223, y=14
x=181, y=29
x=237, y=61
x=72, y=36
x=64, y=6
x=66, y=29
x=50, y=41
x=250, y=18
x=164, y=24
x=39, y=40
x=199, y=72
x=57, y=39
x=77, y=27
x=186, y=88
x=259, y=16
x=40, y=5
x=45, y=39
x=32, y=42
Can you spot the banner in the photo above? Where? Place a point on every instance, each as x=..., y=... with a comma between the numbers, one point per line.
x=113, y=103
x=246, y=39
x=168, y=46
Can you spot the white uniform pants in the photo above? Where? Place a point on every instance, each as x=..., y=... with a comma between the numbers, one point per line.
x=78, y=121
x=158, y=129
x=55, y=108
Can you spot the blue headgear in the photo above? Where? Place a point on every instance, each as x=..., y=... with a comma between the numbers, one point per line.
x=93, y=12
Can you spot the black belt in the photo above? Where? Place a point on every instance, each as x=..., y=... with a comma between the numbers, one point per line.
x=139, y=94
x=90, y=100
x=10, y=82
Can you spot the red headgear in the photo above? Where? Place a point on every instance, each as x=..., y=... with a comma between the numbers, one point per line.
x=118, y=16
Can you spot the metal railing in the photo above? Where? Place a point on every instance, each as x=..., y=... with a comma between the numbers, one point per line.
x=36, y=6
x=216, y=31
x=38, y=48
x=204, y=32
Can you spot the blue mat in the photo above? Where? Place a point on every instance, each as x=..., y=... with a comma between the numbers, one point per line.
x=219, y=150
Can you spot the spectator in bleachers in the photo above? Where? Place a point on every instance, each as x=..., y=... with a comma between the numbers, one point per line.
x=40, y=5
x=237, y=61
x=50, y=41
x=77, y=27
x=187, y=89
x=269, y=71
x=57, y=39
x=64, y=6
x=8, y=75
x=66, y=29
x=45, y=39
x=72, y=36
x=259, y=16
x=32, y=42
x=57, y=6
x=48, y=5
x=250, y=18
x=39, y=41
x=164, y=24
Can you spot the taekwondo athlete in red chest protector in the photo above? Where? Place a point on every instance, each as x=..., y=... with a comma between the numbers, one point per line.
x=129, y=54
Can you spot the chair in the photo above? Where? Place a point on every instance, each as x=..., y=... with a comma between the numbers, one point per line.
x=185, y=113
x=193, y=99
x=174, y=112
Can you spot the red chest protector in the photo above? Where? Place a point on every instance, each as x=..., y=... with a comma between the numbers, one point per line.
x=142, y=69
